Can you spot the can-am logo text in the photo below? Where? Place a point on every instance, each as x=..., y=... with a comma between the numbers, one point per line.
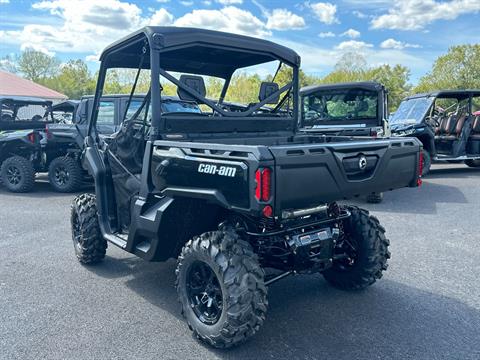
x=217, y=170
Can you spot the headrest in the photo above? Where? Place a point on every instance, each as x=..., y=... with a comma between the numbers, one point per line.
x=267, y=89
x=362, y=106
x=194, y=82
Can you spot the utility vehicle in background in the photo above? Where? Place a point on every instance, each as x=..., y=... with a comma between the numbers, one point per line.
x=346, y=109
x=446, y=124
x=63, y=112
x=22, y=123
x=240, y=198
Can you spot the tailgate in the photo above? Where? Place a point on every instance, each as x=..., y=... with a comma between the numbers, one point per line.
x=308, y=175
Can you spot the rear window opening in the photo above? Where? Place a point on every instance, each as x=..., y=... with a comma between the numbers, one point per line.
x=342, y=106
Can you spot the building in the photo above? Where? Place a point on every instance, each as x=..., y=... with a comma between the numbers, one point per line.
x=13, y=85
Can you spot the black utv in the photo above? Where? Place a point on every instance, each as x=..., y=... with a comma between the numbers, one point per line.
x=22, y=124
x=234, y=196
x=446, y=124
x=346, y=109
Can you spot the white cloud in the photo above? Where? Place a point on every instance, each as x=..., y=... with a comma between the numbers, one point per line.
x=92, y=58
x=351, y=33
x=353, y=45
x=111, y=14
x=280, y=19
x=86, y=25
x=283, y=19
x=325, y=12
x=4, y=1
x=416, y=14
x=229, y=2
x=326, y=34
x=395, y=44
x=163, y=1
x=37, y=47
x=186, y=3
x=359, y=14
x=207, y=2
x=161, y=17
x=312, y=52
x=230, y=19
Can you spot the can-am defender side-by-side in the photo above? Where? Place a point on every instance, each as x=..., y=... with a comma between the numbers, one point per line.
x=346, y=109
x=445, y=123
x=22, y=124
x=234, y=196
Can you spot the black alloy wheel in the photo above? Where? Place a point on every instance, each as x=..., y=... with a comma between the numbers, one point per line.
x=204, y=293
x=14, y=176
x=61, y=175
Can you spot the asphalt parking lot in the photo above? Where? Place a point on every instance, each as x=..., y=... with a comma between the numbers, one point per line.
x=427, y=306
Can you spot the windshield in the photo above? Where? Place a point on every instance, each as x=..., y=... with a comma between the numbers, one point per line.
x=412, y=111
x=11, y=111
x=343, y=106
x=63, y=117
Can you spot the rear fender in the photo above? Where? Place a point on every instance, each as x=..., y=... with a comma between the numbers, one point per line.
x=161, y=226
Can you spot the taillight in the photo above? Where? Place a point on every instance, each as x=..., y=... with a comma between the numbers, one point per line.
x=420, y=168
x=258, y=188
x=263, y=179
x=266, y=184
x=267, y=211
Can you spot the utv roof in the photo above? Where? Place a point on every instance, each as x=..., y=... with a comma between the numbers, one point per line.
x=366, y=85
x=67, y=105
x=453, y=94
x=25, y=100
x=196, y=51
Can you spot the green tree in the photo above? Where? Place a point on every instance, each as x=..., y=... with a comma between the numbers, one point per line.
x=395, y=79
x=353, y=67
x=73, y=80
x=244, y=88
x=459, y=68
x=37, y=66
x=9, y=63
x=112, y=82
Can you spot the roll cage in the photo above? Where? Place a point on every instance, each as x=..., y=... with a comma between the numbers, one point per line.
x=14, y=103
x=197, y=52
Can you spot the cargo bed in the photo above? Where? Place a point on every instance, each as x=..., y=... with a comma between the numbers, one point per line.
x=305, y=172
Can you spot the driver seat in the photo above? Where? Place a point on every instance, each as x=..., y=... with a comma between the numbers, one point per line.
x=476, y=129
x=438, y=128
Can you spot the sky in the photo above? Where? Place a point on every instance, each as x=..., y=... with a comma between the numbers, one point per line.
x=412, y=33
